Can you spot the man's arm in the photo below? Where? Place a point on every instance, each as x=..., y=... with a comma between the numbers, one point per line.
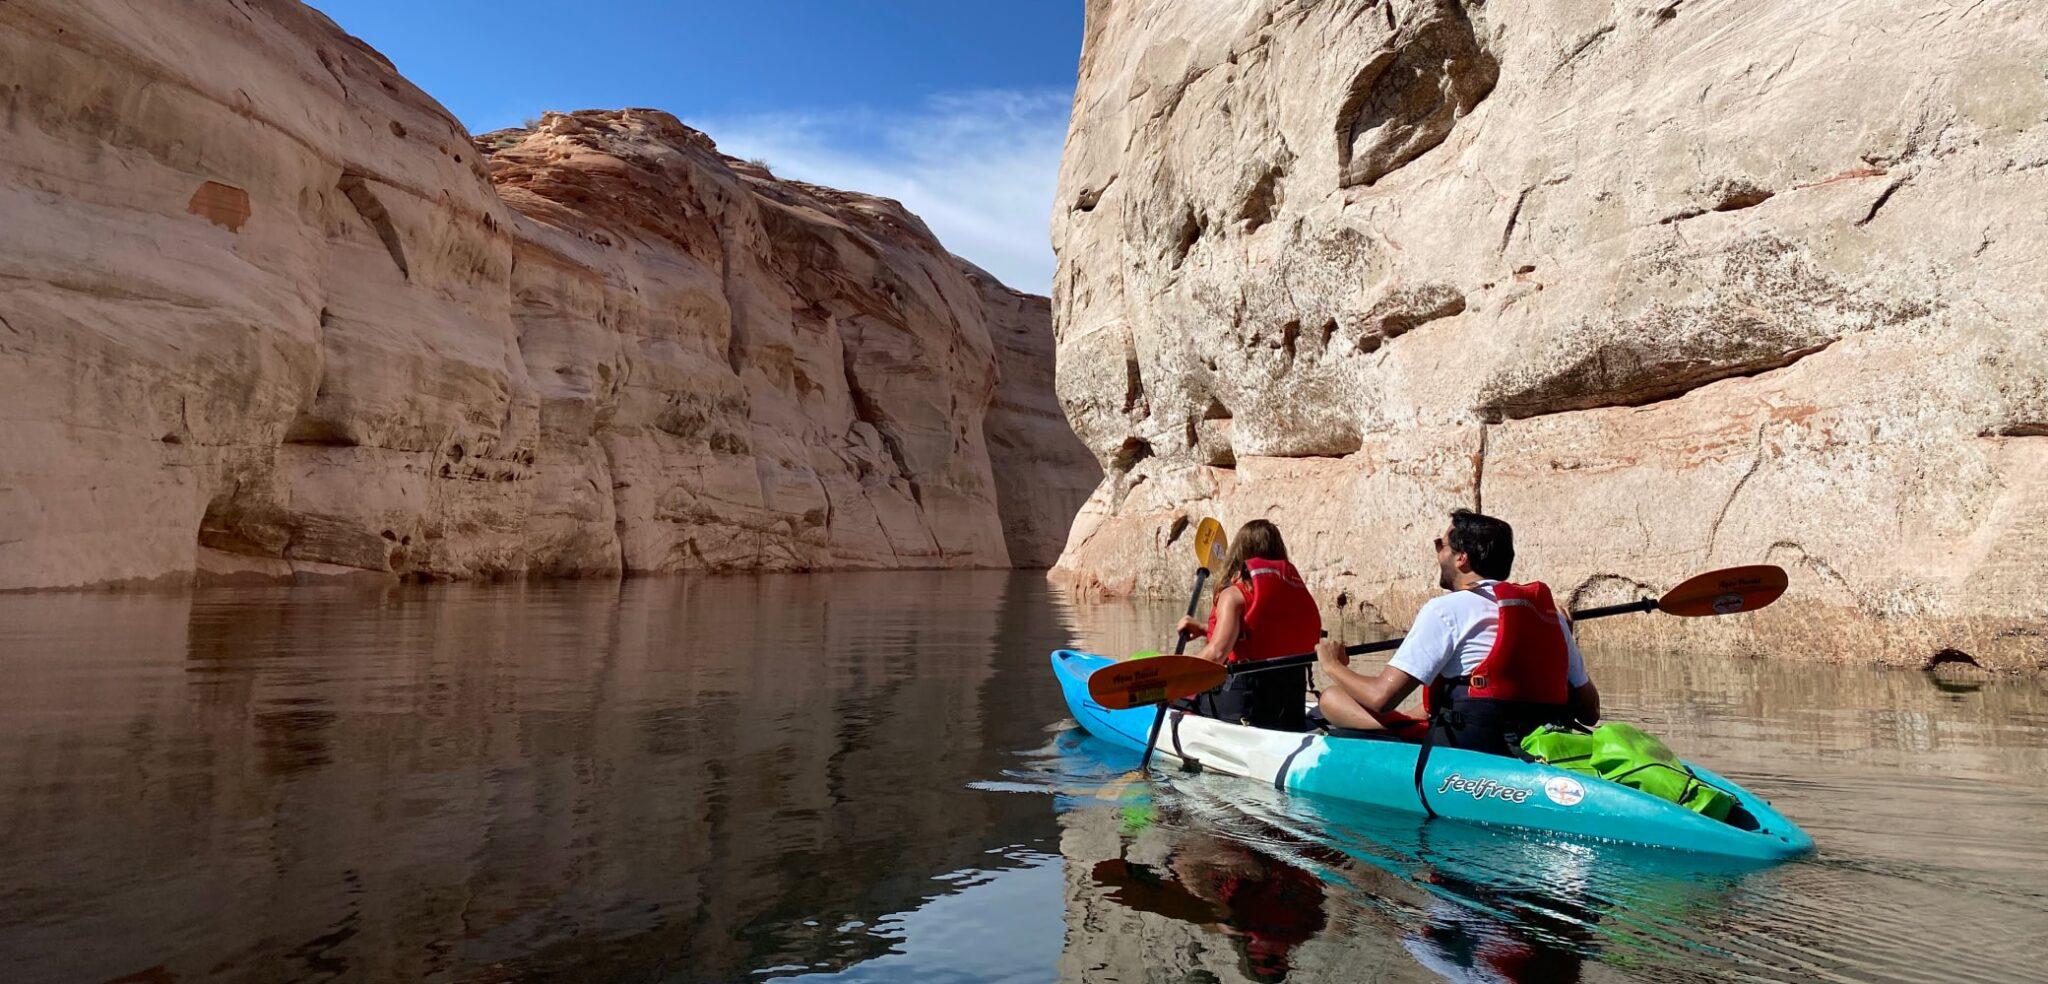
x=1585, y=703
x=1379, y=694
x=1585, y=698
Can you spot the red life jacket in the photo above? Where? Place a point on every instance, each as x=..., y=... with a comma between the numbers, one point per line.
x=1529, y=661
x=1280, y=617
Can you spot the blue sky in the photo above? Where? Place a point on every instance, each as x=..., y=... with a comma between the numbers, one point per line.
x=957, y=109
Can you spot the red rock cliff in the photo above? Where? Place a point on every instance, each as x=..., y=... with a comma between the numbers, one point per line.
x=266, y=308
x=1670, y=286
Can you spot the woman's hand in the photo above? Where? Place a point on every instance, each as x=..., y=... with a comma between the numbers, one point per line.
x=1330, y=652
x=1191, y=628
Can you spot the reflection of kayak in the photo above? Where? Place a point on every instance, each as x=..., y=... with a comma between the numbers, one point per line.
x=1461, y=785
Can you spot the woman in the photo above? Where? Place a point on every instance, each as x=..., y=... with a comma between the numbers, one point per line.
x=1261, y=611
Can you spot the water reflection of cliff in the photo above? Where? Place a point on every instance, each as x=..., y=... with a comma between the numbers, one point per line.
x=679, y=779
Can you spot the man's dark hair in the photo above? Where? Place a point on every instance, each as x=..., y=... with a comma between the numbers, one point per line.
x=1487, y=542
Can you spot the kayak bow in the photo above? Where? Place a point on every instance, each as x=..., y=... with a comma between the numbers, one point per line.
x=1463, y=785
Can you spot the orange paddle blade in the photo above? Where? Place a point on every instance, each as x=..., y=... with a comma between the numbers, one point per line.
x=1153, y=681
x=1725, y=592
x=1209, y=544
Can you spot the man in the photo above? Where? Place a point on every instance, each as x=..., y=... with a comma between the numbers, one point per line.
x=1498, y=657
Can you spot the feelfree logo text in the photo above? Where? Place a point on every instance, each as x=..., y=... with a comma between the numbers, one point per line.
x=1480, y=789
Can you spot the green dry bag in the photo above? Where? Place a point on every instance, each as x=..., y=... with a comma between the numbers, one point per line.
x=1623, y=753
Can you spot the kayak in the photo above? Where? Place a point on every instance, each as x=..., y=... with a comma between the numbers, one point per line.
x=1460, y=785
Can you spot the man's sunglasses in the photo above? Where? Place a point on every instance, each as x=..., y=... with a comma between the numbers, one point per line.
x=1439, y=544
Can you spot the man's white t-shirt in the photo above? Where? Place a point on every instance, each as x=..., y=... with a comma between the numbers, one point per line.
x=1454, y=632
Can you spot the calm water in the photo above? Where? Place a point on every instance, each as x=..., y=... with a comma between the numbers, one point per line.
x=871, y=777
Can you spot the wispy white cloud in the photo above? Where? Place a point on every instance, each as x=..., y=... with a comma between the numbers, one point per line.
x=978, y=167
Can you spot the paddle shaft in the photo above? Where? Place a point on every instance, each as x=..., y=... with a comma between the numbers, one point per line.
x=1194, y=601
x=1158, y=719
x=1645, y=605
x=1304, y=659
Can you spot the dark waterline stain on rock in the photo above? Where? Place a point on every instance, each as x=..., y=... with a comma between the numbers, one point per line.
x=356, y=188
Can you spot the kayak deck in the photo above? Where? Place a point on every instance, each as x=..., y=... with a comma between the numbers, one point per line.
x=1461, y=785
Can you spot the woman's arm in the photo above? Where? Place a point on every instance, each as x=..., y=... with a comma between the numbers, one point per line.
x=1229, y=619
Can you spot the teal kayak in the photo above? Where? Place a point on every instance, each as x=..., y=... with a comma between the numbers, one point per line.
x=1460, y=785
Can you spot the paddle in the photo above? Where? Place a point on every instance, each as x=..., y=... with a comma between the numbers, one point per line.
x=1722, y=592
x=1208, y=544
x=1136, y=683
x=1208, y=557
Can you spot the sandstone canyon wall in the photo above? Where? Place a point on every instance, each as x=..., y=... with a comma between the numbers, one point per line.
x=1670, y=285
x=267, y=309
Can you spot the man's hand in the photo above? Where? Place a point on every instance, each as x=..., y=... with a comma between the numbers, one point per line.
x=1191, y=628
x=1354, y=700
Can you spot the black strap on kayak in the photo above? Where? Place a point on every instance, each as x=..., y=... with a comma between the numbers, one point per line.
x=1187, y=763
x=1280, y=778
x=1422, y=762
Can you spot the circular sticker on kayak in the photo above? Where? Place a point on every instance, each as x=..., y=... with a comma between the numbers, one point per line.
x=1564, y=790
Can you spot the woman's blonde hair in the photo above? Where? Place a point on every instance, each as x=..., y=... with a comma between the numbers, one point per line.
x=1257, y=539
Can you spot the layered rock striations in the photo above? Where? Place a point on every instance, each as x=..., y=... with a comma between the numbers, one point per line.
x=1669, y=286
x=266, y=308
